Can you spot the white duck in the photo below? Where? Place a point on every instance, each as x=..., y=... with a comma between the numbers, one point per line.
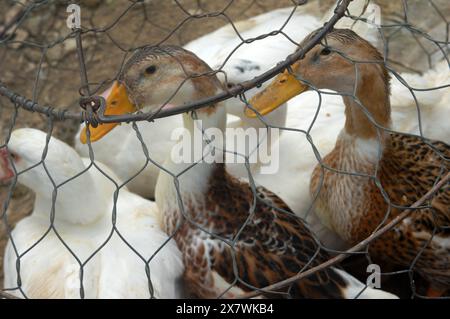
x=114, y=265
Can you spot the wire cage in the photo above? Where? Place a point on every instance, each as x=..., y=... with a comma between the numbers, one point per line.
x=53, y=71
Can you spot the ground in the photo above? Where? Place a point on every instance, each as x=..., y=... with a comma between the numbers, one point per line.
x=58, y=81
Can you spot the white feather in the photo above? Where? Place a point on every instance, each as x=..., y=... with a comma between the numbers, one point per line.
x=49, y=270
x=357, y=290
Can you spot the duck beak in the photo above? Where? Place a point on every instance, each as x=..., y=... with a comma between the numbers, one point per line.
x=283, y=88
x=6, y=171
x=117, y=103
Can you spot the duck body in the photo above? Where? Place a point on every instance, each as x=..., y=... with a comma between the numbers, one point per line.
x=408, y=168
x=269, y=246
x=82, y=232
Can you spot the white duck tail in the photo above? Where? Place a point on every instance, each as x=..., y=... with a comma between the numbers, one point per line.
x=357, y=290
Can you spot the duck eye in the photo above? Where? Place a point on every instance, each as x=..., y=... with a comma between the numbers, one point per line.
x=325, y=51
x=150, y=70
x=14, y=156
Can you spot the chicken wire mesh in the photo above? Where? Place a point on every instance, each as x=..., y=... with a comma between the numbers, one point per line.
x=18, y=38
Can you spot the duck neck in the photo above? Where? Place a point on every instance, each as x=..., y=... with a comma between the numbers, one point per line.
x=360, y=144
x=373, y=95
x=79, y=201
x=202, y=134
x=206, y=138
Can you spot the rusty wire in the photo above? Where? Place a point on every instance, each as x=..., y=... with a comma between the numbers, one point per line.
x=94, y=117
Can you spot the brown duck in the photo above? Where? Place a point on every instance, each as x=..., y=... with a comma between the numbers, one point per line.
x=372, y=174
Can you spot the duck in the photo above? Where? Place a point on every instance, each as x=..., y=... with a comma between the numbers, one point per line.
x=112, y=246
x=329, y=119
x=233, y=237
x=404, y=166
x=323, y=118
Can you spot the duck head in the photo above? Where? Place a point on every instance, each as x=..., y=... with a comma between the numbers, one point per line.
x=343, y=62
x=27, y=150
x=155, y=78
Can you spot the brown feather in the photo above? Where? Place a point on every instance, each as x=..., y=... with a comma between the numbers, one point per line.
x=273, y=244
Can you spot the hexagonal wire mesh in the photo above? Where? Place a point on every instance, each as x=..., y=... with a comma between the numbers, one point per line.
x=388, y=30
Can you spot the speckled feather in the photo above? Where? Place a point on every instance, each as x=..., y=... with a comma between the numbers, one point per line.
x=408, y=168
x=273, y=245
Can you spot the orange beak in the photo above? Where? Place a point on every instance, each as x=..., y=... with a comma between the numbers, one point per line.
x=283, y=88
x=117, y=103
